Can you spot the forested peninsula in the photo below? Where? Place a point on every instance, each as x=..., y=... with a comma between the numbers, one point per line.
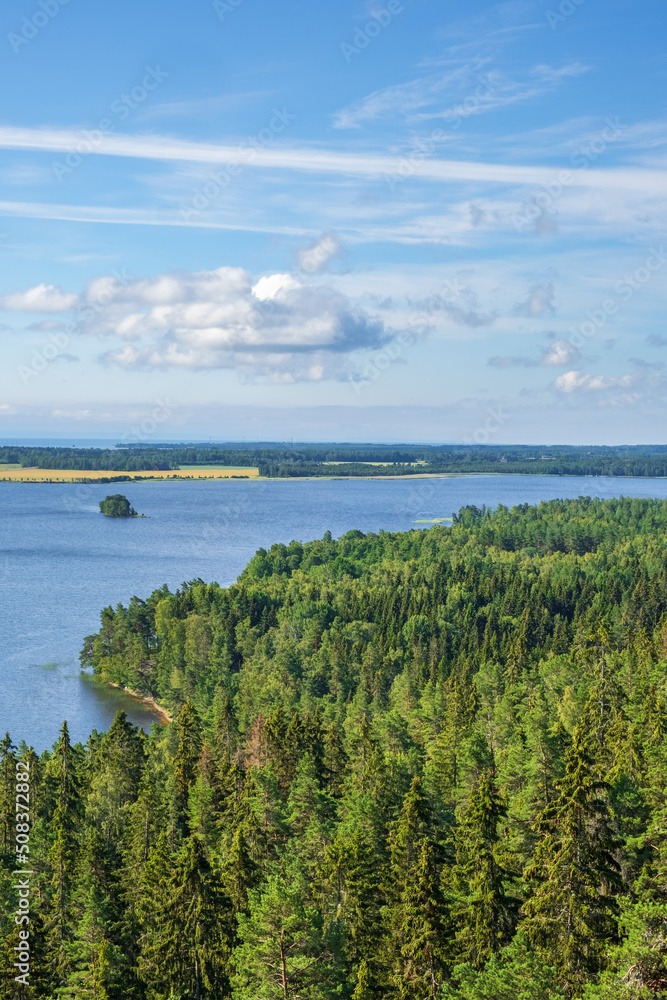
x=403, y=766
x=282, y=461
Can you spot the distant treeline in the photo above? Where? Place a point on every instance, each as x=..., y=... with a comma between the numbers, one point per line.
x=296, y=461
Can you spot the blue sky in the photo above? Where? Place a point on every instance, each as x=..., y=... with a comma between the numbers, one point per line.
x=358, y=221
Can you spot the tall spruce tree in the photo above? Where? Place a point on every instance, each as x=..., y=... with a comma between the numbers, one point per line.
x=188, y=946
x=486, y=912
x=425, y=928
x=574, y=879
x=63, y=776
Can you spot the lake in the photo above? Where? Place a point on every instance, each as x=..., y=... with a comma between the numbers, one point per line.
x=61, y=562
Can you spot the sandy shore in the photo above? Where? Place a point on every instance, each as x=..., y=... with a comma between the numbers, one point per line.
x=165, y=718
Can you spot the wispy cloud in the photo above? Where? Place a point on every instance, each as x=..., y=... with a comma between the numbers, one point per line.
x=221, y=104
x=329, y=161
x=455, y=88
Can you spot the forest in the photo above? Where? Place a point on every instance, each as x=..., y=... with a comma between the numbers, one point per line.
x=428, y=765
x=308, y=460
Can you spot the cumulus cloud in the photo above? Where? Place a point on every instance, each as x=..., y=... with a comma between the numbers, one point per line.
x=40, y=298
x=656, y=340
x=556, y=355
x=276, y=327
x=539, y=301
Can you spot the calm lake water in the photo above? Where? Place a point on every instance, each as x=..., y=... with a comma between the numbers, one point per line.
x=61, y=562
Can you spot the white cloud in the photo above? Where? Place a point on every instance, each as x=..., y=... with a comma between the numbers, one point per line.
x=317, y=161
x=561, y=352
x=557, y=355
x=577, y=380
x=40, y=298
x=466, y=91
x=277, y=327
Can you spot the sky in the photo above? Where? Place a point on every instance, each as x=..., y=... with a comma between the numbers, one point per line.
x=360, y=221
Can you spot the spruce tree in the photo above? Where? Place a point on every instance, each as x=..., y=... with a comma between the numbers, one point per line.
x=574, y=880
x=486, y=913
x=186, y=760
x=188, y=945
x=424, y=930
x=65, y=827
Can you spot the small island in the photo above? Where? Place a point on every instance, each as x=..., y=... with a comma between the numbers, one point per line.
x=118, y=506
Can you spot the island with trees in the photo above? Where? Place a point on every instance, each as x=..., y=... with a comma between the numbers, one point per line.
x=117, y=506
x=428, y=765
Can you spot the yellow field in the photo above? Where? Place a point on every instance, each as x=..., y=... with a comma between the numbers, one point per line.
x=76, y=475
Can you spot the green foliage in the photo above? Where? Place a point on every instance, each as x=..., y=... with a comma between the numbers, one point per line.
x=284, y=951
x=352, y=460
x=514, y=974
x=117, y=506
x=420, y=765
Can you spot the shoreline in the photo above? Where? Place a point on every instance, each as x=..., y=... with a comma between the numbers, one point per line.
x=310, y=479
x=165, y=718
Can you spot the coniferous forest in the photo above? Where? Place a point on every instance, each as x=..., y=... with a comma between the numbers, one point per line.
x=401, y=767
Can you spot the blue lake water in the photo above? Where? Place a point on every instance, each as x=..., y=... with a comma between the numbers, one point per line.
x=61, y=562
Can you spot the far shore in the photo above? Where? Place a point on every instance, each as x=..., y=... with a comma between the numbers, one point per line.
x=248, y=475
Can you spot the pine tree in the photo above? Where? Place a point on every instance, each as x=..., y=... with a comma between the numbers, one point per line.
x=238, y=872
x=285, y=953
x=309, y=814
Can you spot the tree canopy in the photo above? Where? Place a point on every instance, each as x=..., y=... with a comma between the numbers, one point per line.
x=425, y=765
x=117, y=506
